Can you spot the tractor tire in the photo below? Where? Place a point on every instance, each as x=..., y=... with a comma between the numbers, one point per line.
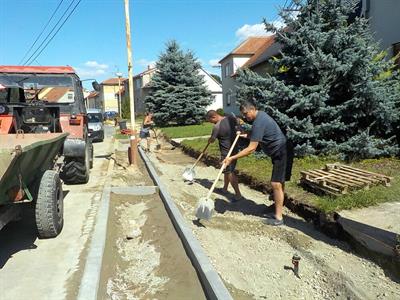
x=49, y=208
x=91, y=155
x=77, y=170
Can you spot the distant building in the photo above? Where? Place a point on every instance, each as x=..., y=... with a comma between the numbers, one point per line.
x=384, y=19
x=57, y=94
x=109, y=93
x=93, y=100
x=253, y=53
x=141, y=89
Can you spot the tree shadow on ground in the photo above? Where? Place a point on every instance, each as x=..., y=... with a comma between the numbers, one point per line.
x=18, y=236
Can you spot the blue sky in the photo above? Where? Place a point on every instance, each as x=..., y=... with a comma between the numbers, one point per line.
x=93, y=39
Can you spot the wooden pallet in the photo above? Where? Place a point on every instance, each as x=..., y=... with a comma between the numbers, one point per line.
x=336, y=179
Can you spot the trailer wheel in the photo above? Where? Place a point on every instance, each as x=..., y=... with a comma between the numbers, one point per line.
x=91, y=154
x=49, y=209
x=76, y=170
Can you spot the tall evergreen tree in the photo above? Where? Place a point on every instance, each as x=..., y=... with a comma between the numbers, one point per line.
x=331, y=89
x=178, y=93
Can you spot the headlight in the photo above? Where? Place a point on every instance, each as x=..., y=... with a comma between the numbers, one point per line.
x=3, y=109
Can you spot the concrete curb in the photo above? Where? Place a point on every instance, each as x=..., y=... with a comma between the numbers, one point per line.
x=91, y=276
x=214, y=288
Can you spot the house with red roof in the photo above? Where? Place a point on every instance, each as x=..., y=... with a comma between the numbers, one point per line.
x=252, y=53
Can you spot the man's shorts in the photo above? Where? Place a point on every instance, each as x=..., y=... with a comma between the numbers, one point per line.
x=232, y=166
x=144, y=133
x=282, y=162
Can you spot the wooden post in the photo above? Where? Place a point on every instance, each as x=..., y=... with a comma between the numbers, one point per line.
x=133, y=138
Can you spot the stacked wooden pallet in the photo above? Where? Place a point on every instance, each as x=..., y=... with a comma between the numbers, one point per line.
x=337, y=179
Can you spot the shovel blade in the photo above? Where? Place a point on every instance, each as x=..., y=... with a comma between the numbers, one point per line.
x=205, y=209
x=188, y=174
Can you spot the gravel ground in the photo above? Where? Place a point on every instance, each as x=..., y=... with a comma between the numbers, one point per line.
x=256, y=259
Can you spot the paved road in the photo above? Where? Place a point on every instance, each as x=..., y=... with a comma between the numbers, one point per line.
x=50, y=269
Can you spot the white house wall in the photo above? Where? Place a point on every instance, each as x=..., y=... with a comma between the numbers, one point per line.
x=217, y=102
x=384, y=18
x=239, y=62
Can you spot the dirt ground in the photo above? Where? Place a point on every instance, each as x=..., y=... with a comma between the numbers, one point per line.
x=144, y=257
x=255, y=258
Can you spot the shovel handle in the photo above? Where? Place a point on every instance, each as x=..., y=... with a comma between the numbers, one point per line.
x=223, y=166
x=200, y=156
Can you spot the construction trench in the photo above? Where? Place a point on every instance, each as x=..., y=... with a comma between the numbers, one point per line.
x=145, y=256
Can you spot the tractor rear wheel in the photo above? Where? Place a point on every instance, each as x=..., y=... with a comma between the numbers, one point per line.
x=76, y=169
x=49, y=209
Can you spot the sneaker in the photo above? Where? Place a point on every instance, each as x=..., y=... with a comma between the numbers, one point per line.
x=273, y=222
x=269, y=215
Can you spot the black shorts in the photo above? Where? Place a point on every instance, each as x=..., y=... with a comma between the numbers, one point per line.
x=232, y=166
x=282, y=162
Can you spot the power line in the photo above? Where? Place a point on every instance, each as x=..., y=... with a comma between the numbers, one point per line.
x=40, y=34
x=52, y=30
x=59, y=28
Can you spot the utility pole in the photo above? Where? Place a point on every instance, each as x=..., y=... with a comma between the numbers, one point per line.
x=119, y=75
x=133, y=140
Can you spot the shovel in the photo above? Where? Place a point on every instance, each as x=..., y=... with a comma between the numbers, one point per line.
x=189, y=174
x=205, y=206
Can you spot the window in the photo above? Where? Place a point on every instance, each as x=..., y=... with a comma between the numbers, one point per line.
x=396, y=51
x=228, y=99
x=228, y=69
x=138, y=83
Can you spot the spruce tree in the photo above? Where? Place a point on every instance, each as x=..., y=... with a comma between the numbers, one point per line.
x=178, y=93
x=331, y=88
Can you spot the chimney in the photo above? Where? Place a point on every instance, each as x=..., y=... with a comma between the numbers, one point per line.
x=148, y=67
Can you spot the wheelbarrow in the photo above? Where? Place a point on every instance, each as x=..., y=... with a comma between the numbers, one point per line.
x=28, y=175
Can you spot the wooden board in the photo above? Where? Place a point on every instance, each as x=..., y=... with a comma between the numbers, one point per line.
x=337, y=179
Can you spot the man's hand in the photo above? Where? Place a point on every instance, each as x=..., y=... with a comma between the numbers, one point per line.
x=227, y=161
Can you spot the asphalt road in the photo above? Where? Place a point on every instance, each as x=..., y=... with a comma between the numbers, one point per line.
x=49, y=269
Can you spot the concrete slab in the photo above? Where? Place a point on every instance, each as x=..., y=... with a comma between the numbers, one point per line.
x=135, y=190
x=377, y=228
x=385, y=216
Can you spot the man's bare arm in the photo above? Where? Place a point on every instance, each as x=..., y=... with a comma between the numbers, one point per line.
x=246, y=151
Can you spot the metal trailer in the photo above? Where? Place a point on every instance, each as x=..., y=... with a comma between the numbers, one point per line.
x=29, y=176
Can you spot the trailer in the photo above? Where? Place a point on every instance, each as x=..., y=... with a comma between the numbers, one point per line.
x=29, y=175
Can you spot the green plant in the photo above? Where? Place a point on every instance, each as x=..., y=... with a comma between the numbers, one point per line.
x=331, y=89
x=177, y=91
x=221, y=112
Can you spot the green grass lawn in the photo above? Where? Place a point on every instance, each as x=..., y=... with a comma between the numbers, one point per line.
x=260, y=170
x=187, y=131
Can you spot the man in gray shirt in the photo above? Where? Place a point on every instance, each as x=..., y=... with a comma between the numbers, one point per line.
x=273, y=142
x=225, y=131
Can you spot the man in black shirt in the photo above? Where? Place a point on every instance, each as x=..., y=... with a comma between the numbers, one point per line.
x=273, y=143
x=225, y=131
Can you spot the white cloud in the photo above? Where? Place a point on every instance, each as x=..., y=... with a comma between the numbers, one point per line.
x=214, y=62
x=143, y=62
x=247, y=30
x=89, y=72
x=94, y=64
x=92, y=69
